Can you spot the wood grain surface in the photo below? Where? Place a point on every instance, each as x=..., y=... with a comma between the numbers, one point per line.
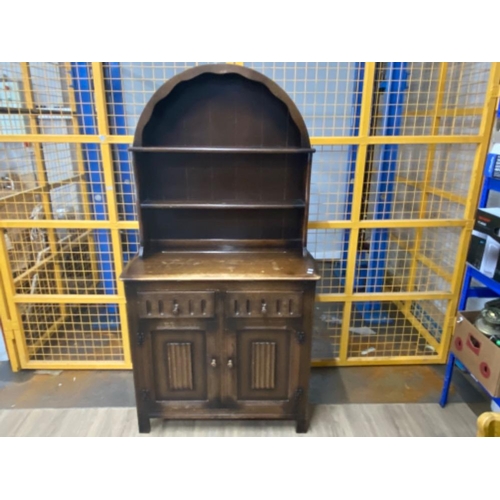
x=370, y=420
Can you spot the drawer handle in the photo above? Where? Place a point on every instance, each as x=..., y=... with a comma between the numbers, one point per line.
x=263, y=309
x=176, y=309
x=213, y=363
x=229, y=363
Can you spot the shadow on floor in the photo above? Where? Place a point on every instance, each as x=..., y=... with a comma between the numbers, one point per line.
x=346, y=385
x=393, y=384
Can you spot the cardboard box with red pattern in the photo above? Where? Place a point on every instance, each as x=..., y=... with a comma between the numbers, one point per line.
x=477, y=352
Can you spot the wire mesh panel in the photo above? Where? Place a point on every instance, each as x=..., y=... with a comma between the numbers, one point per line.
x=432, y=316
x=134, y=84
x=324, y=92
x=400, y=148
x=82, y=261
x=19, y=188
x=426, y=182
x=464, y=98
x=74, y=333
x=38, y=98
x=330, y=184
x=407, y=259
x=328, y=248
x=51, y=181
x=397, y=336
x=436, y=98
x=130, y=243
x=124, y=183
x=327, y=332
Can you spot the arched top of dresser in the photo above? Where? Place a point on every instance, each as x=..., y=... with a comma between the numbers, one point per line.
x=252, y=111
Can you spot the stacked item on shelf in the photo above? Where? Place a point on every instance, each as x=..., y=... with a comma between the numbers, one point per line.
x=476, y=340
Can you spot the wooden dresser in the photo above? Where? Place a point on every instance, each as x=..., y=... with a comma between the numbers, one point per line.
x=221, y=296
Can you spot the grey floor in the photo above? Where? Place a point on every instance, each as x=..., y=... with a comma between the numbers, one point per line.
x=354, y=401
x=393, y=420
x=358, y=385
x=3, y=350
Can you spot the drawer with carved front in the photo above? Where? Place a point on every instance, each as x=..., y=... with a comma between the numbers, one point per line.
x=176, y=304
x=263, y=304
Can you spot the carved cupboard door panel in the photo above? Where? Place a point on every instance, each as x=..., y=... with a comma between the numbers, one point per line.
x=182, y=361
x=262, y=364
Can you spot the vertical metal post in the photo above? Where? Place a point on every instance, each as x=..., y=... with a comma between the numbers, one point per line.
x=357, y=196
x=395, y=86
x=9, y=290
x=109, y=181
x=8, y=327
x=464, y=294
x=125, y=187
x=447, y=380
x=485, y=193
x=82, y=84
x=81, y=168
x=359, y=73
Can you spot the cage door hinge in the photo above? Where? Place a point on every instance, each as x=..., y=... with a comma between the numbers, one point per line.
x=8, y=329
x=301, y=337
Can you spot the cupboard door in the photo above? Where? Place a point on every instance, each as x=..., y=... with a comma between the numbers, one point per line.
x=182, y=368
x=262, y=363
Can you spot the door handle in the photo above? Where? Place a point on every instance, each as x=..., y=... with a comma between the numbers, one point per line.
x=213, y=363
x=176, y=309
x=229, y=363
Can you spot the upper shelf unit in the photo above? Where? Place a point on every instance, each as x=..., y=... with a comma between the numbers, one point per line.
x=221, y=153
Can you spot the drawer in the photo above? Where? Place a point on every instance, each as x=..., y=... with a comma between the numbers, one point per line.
x=176, y=304
x=263, y=304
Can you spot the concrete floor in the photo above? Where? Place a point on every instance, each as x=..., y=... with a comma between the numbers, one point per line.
x=352, y=385
x=3, y=350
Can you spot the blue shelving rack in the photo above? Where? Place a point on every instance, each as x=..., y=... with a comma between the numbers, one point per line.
x=489, y=289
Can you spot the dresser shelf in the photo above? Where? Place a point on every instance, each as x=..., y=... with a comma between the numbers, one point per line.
x=221, y=150
x=161, y=204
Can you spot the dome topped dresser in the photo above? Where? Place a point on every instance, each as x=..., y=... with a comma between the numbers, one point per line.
x=221, y=296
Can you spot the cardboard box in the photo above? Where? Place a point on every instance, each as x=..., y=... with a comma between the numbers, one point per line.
x=477, y=352
x=484, y=249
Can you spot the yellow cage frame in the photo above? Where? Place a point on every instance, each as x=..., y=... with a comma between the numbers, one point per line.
x=16, y=345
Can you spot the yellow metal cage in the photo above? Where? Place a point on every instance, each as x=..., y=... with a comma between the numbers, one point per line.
x=69, y=225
